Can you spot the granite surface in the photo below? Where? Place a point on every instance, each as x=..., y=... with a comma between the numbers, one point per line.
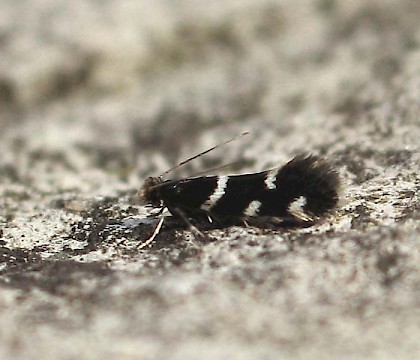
x=95, y=96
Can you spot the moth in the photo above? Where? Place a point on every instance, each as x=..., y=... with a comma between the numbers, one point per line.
x=297, y=194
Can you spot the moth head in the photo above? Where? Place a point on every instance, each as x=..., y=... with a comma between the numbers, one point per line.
x=149, y=192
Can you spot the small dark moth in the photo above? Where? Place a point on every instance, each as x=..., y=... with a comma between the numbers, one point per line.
x=297, y=194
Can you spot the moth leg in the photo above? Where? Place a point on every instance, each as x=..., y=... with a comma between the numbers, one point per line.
x=273, y=222
x=159, y=212
x=149, y=241
x=183, y=216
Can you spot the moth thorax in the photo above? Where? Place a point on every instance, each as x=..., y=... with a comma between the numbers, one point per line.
x=149, y=193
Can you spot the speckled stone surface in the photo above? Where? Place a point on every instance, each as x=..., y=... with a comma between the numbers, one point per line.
x=96, y=96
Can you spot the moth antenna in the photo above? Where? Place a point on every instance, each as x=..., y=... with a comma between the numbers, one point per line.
x=203, y=153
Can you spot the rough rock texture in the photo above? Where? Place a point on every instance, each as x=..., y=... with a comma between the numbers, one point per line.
x=97, y=95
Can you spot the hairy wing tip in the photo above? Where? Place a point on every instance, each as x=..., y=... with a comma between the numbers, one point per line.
x=317, y=184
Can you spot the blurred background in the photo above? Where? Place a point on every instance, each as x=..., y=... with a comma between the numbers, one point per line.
x=131, y=87
x=97, y=95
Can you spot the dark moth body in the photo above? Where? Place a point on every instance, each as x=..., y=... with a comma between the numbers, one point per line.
x=297, y=194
